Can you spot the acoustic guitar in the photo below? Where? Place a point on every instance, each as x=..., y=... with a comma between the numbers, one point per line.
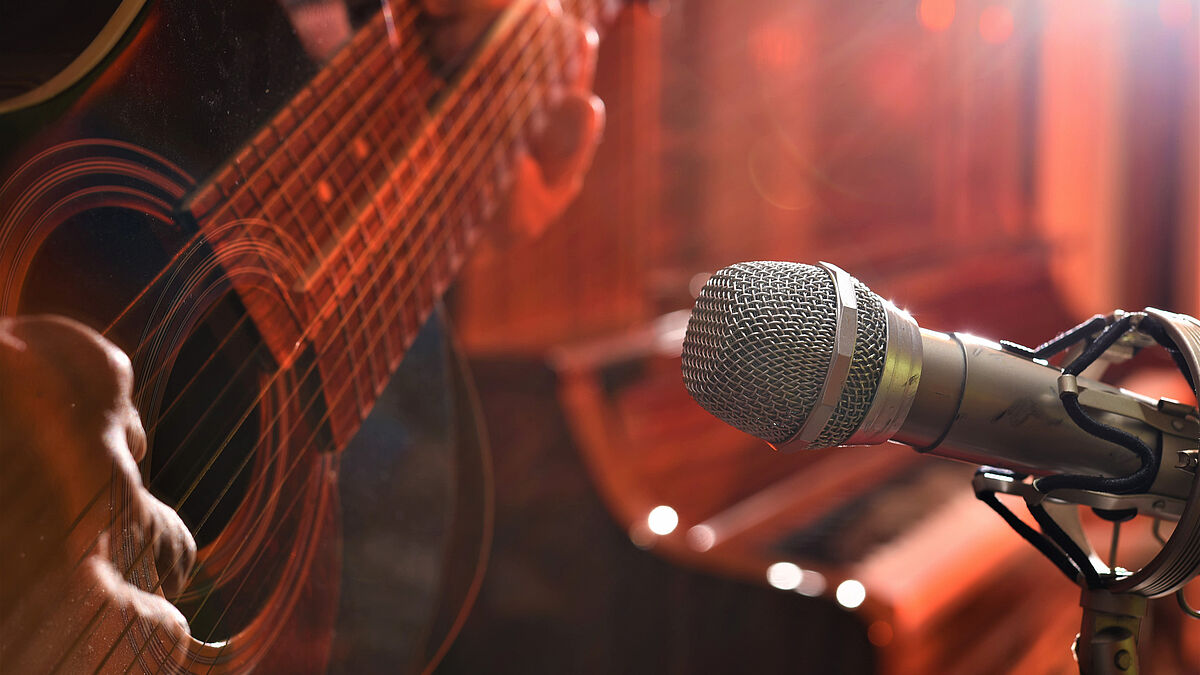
x=265, y=235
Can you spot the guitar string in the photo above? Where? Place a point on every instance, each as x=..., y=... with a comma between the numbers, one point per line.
x=319, y=147
x=412, y=46
x=374, y=280
x=359, y=104
x=343, y=322
x=381, y=335
x=282, y=148
x=382, y=93
x=373, y=187
x=315, y=429
x=376, y=341
x=426, y=266
x=580, y=8
x=407, y=21
x=346, y=390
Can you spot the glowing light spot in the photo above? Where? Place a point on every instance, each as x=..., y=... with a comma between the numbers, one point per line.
x=324, y=191
x=851, y=593
x=701, y=538
x=936, y=15
x=880, y=633
x=662, y=520
x=696, y=283
x=812, y=584
x=995, y=24
x=784, y=575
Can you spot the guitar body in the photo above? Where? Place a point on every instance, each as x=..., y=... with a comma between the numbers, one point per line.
x=265, y=236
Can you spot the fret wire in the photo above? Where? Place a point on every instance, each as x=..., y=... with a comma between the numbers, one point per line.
x=435, y=194
x=337, y=398
x=372, y=211
x=303, y=131
x=413, y=288
x=311, y=370
x=378, y=91
x=335, y=233
x=424, y=264
x=322, y=105
x=421, y=179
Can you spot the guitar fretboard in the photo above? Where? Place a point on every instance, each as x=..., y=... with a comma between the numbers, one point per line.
x=344, y=219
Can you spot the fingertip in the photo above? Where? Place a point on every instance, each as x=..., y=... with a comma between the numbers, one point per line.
x=135, y=435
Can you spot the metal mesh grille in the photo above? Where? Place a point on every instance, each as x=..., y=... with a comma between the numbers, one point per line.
x=866, y=370
x=759, y=345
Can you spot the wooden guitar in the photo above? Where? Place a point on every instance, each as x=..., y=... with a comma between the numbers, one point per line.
x=265, y=236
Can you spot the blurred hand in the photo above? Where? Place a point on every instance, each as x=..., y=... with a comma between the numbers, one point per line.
x=70, y=499
x=559, y=143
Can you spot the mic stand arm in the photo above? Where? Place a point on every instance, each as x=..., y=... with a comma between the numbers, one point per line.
x=1114, y=604
x=1108, y=637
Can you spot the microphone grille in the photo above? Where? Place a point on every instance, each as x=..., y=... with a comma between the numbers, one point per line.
x=759, y=345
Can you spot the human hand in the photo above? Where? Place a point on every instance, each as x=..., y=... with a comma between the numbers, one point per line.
x=72, y=502
x=558, y=145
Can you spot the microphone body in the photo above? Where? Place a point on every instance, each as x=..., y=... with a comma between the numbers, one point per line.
x=808, y=357
x=980, y=404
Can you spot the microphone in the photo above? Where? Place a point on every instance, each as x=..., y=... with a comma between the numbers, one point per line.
x=806, y=356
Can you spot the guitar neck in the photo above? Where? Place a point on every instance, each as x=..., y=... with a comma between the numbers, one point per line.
x=359, y=200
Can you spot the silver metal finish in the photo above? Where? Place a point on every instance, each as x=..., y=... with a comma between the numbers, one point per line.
x=1107, y=643
x=770, y=349
x=1179, y=560
x=758, y=345
x=899, y=383
x=1166, y=508
x=1068, y=384
x=845, y=334
x=1001, y=409
x=1189, y=460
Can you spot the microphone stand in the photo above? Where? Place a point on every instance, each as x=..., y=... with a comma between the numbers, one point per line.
x=1108, y=637
x=1113, y=601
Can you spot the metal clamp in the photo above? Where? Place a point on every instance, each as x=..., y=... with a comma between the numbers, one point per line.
x=845, y=335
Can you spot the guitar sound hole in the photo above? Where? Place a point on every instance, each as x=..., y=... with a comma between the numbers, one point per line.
x=90, y=268
x=204, y=446
x=206, y=420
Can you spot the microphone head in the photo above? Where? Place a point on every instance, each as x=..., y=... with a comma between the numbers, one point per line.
x=760, y=349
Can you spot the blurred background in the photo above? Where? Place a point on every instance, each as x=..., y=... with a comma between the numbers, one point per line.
x=1003, y=167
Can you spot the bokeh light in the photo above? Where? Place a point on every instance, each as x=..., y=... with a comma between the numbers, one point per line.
x=784, y=575
x=936, y=15
x=662, y=520
x=851, y=593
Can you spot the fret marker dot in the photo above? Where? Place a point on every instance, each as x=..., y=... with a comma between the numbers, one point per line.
x=324, y=191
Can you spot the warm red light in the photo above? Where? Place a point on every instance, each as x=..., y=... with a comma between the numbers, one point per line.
x=1175, y=13
x=995, y=24
x=936, y=15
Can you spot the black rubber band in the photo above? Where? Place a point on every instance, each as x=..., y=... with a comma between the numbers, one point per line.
x=1037, y=539
x=1064, y=541
x=1138, y=481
